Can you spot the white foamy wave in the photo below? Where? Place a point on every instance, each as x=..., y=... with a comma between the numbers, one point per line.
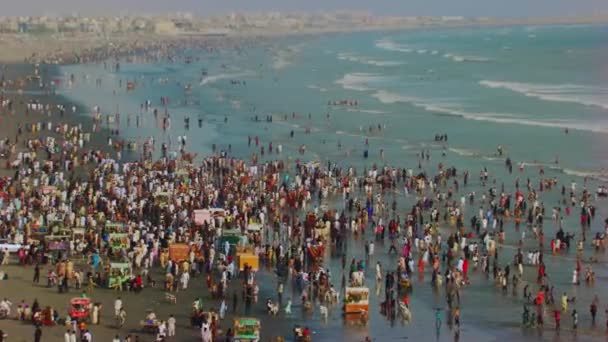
x=463, y=152
x=512, y=119
x=389, y=97
x=365, y=60
x=316, y=87
x=601, y=176
x=360, y=81
x=384, y=63
x=280, y=63
x=440, y=108
x=573, y=93
x=388, y=44
x=472, y=59
x=215, y=78
x=284, y=58
x=367, y=111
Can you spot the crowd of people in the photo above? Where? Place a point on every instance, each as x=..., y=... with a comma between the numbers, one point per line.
x=82, y=213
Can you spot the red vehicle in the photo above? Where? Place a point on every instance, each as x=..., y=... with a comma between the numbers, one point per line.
x=80, y=308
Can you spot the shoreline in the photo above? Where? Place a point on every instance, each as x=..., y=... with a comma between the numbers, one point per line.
x=23, y=48
x=19, y=118
x=143, y=303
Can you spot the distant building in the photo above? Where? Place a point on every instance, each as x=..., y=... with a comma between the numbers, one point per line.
x=166, y=27
x=23, y=27
x=452, y=18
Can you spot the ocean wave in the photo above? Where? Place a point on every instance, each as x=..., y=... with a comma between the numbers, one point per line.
x=461, y=58
x=360, y=81
x=280, y=63
x=219, y=77
x=388, y=44
x=365, y=60
x=505, y=118
x=316, y=87
x=511, y=119
x=367, y=111
x=388, y=97
x=572, y=93
x=601, y=176
x=464, y=152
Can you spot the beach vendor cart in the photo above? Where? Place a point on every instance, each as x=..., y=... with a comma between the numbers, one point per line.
x=80, y=309
x=179, y=252
x=247, y=330
x=115, y=227
x=118, y=241
x=231, y=236
x=149, y=326
x=119, y=274
x=356, y=301
x=56, y=244
x=202, y=216
x=248, y=258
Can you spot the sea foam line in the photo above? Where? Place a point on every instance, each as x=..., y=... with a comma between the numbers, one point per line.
x=572, y=93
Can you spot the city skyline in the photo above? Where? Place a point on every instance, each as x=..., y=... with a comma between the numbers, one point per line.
x=493, y=8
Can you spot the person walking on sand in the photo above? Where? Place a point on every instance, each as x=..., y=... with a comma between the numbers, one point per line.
x=38, y=334
x=36, y=279
x=117, y=306
x=171, y=326
x=87, y=336
x=121, y=317
x=223, y=308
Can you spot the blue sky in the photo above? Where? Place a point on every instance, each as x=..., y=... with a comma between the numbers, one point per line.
x=517, y=8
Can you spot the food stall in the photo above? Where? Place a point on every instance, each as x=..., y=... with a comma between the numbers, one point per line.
x=356, y=300
x=178, y=252
x=247, y=330
x=248, y=258
x=119, y=273
x=207, y=215
x=232, y=236
x=118, y=241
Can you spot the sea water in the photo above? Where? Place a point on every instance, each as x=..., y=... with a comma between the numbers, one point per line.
x=518, y=87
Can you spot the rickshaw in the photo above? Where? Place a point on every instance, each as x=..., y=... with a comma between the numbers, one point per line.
x=80, y=309
x=247, y=330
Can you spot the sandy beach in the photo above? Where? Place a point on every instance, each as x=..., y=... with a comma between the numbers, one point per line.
x=309, y=197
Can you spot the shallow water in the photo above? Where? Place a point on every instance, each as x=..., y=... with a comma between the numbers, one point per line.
x=516, y=87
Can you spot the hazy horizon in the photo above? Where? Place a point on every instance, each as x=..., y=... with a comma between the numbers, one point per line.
x=492, y=8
